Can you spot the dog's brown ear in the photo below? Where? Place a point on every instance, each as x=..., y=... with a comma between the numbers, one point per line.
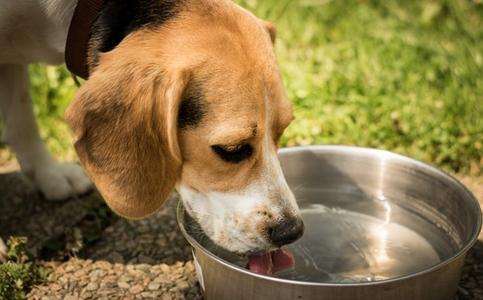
x=124, y=120
x=272, y=31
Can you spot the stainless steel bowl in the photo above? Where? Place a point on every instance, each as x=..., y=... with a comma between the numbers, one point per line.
x=378, y=226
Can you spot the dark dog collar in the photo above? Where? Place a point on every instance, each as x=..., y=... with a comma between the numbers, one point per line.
x=79, y=34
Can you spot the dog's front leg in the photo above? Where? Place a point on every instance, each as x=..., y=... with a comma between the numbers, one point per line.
x=3, y=251
x=55, y=180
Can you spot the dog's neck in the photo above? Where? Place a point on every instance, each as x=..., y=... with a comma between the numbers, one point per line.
x=100, y=25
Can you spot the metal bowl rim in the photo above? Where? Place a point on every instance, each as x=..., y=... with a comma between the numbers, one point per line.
x=350, y=149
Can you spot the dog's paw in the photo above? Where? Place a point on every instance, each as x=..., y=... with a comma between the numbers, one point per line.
x=59, y=181
x=3, y=251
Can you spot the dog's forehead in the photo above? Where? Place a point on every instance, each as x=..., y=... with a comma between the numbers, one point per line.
x=232, y=122
x=240, y=99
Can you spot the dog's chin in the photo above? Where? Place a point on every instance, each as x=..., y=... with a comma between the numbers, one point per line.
x=227, y=240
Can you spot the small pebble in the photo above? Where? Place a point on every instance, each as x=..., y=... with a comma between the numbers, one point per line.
x=92, y=286
x=123, y=284
x=154, y=286
x=136, y=289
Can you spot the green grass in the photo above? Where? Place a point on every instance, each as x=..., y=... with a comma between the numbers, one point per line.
x=406, y=76
x=52, y=90
x=19, y=273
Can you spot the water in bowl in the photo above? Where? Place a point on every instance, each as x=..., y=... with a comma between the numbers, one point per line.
x=353, y=247
x=352, y=238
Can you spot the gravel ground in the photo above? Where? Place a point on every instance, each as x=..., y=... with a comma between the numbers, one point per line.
x=88, y=279
x=146, y=259
x=96, y=255
x=150, y=241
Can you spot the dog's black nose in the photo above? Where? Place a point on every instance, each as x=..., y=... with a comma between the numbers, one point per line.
x=287, y=231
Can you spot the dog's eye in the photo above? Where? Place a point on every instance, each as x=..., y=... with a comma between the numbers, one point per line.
x=233, y=154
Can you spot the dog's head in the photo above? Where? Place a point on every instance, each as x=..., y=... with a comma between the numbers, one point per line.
x=197, y=104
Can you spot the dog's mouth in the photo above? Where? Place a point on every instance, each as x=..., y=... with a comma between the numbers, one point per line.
x=270, y=262
x=260, y=261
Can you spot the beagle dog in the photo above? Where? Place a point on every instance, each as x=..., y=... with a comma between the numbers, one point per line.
x=183, y=95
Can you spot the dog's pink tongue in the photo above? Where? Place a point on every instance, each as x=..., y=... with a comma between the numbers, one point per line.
x=260, y=263
x=282, y=259
x=269, y=263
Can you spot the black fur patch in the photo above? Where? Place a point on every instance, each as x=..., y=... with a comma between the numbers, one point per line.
x=118, y=18
x=192, y=109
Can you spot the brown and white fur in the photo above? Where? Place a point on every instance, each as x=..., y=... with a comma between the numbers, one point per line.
x=192, y=102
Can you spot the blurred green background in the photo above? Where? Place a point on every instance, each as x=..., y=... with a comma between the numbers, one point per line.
x=405, y=76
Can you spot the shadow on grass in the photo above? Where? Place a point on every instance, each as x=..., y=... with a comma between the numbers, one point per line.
x=83, y=232
x=46, y=224
x=470, y=285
